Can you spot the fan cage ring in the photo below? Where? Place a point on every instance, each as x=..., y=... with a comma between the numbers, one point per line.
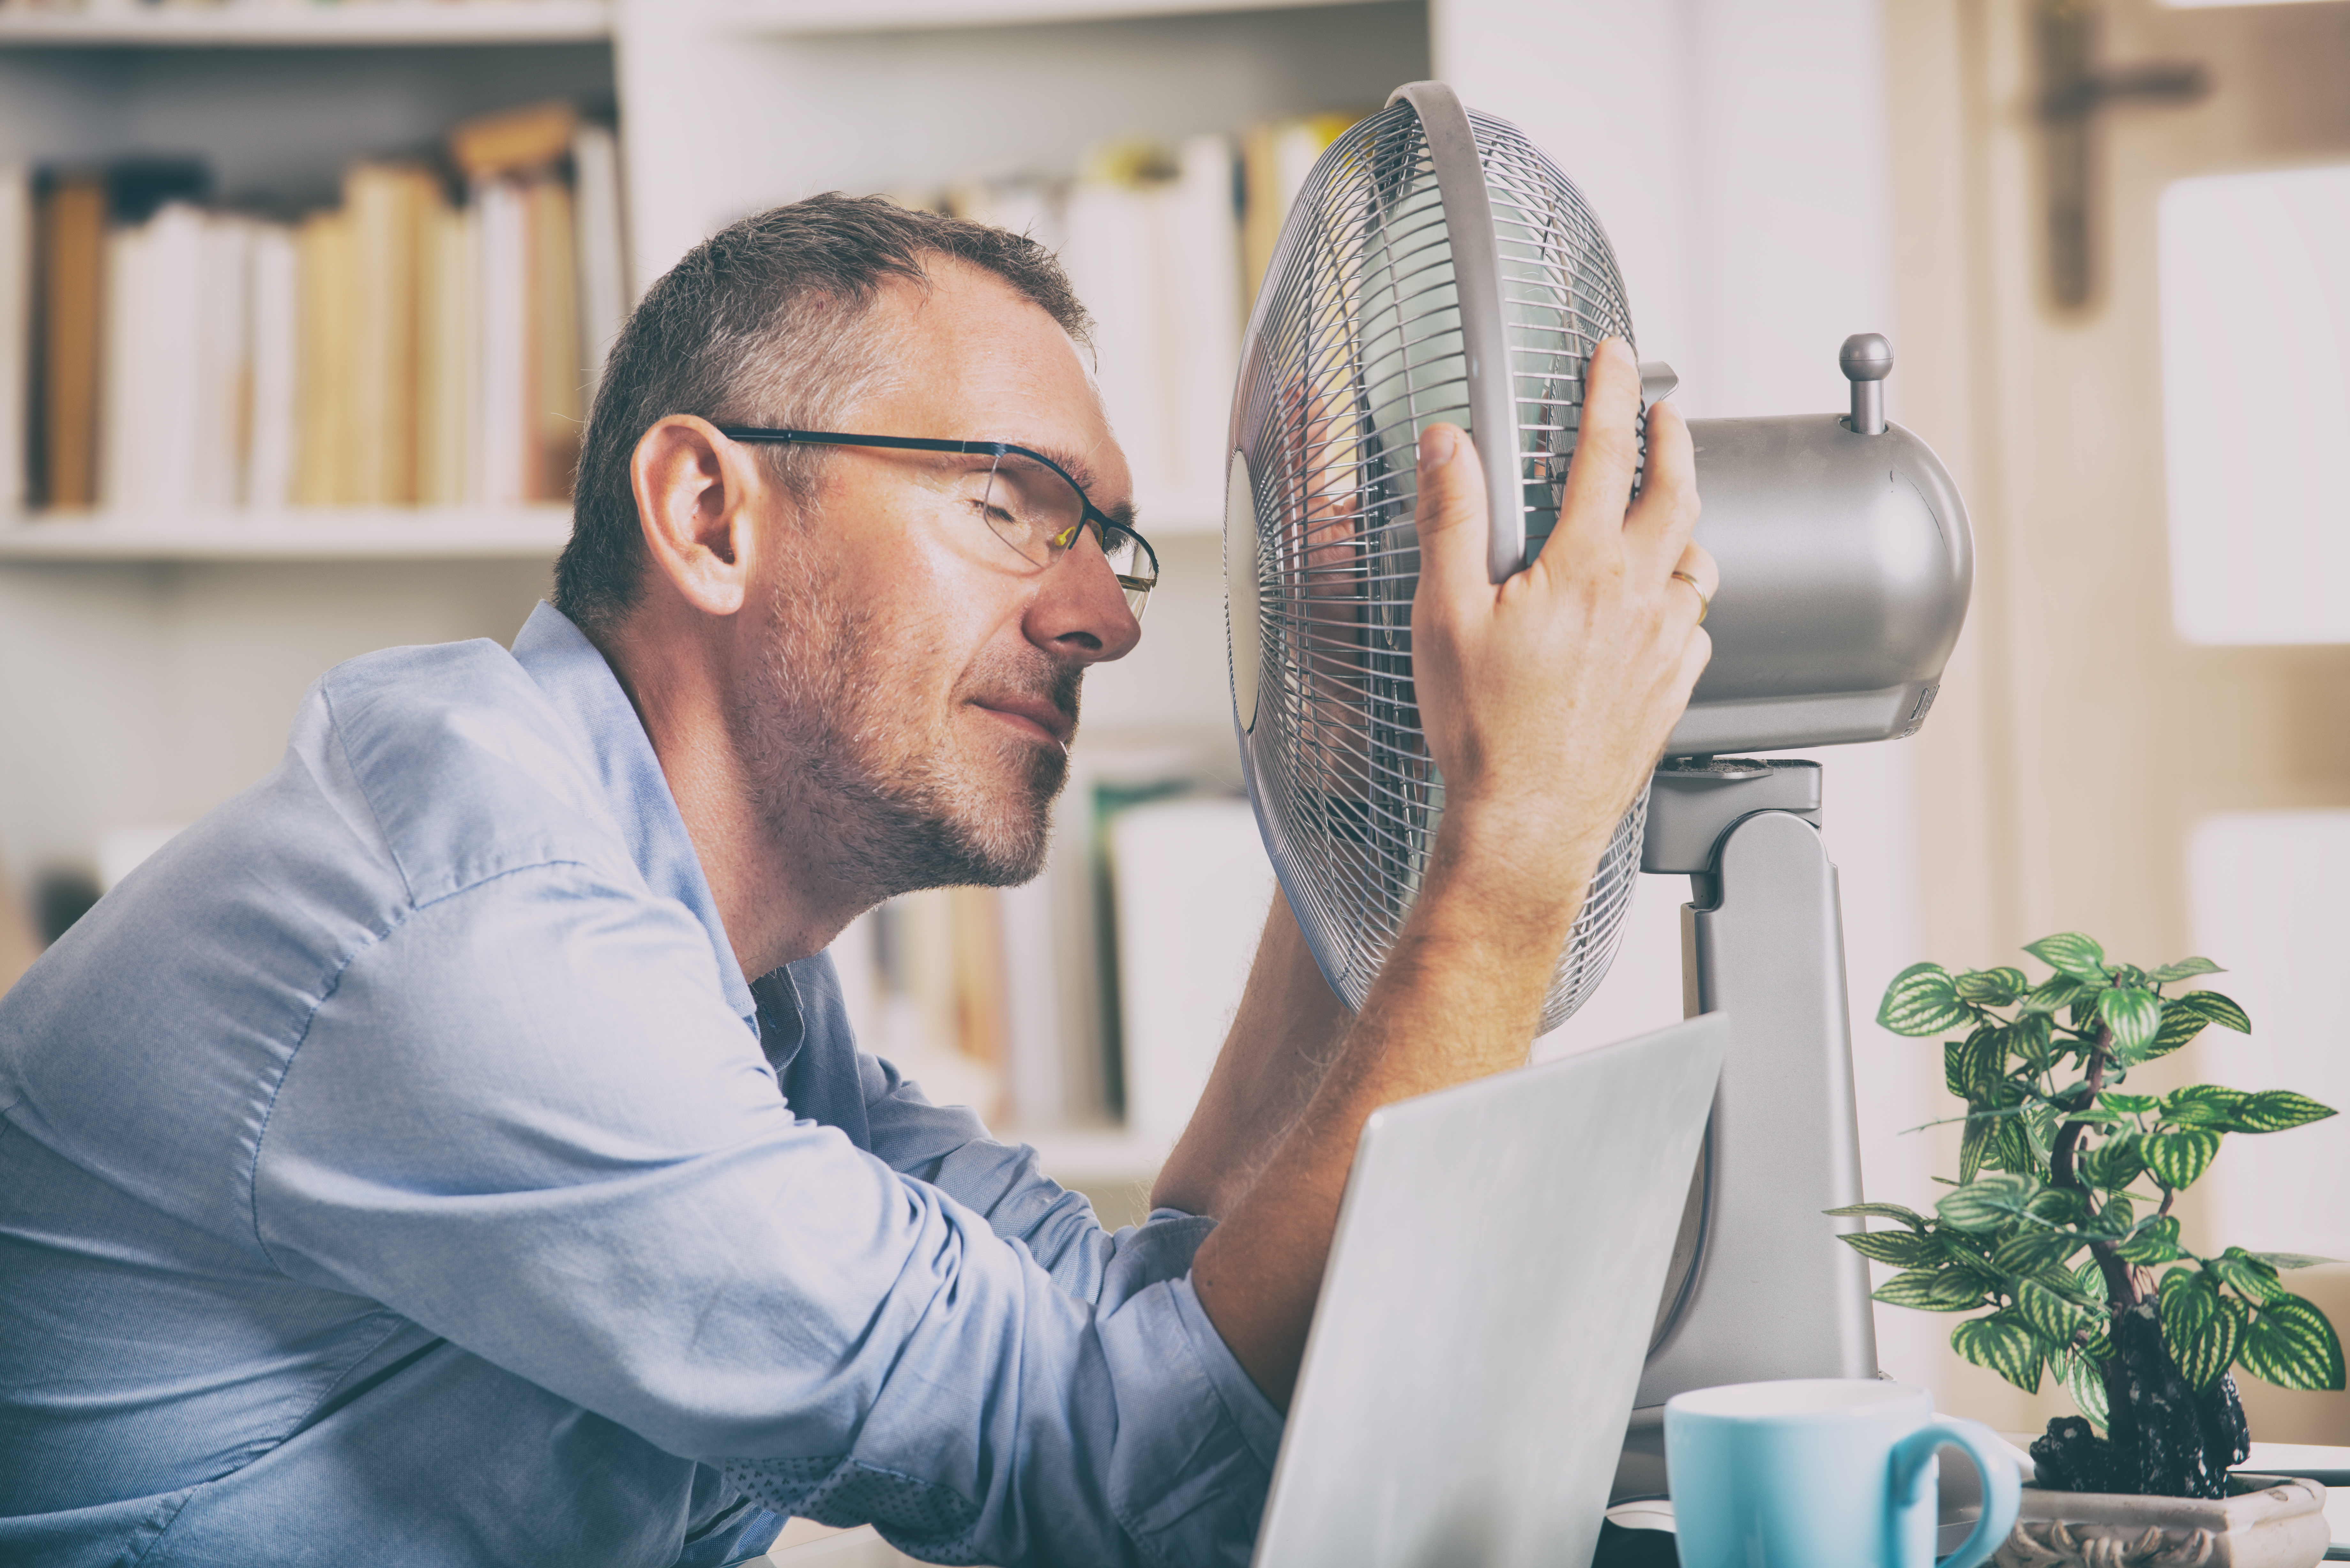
x=1355, y=345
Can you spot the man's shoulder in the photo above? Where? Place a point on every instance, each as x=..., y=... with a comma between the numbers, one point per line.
x=466, y=767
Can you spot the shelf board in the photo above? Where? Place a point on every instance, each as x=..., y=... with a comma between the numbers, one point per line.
x=339, y=533
x=904, y=16
x=1077, y=1156
x=295, y=24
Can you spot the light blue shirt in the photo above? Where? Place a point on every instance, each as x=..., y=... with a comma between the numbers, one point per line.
x=397, y=1167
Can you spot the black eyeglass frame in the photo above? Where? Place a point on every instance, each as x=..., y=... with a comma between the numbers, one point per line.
x=1087, y=512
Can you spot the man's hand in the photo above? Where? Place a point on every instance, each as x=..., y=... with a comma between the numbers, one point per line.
x=1546, y=700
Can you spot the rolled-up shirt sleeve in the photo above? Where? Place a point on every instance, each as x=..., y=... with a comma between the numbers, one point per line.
x=525, y=1118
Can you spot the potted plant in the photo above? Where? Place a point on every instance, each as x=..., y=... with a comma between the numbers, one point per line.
x=2060, y=1222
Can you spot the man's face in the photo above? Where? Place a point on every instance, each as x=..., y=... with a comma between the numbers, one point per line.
x=912, y=685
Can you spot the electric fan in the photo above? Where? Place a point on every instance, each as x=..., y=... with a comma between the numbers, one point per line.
x=1438, y=265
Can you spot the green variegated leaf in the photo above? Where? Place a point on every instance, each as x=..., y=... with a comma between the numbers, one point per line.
x=1987, y=1203
x=2090, y=1278
x=2204, y=1105
x=2070, y=952
x=2275, y=1110
x=2248, y=1276
x=2132, y=1017
x=2200, y=1328
x=1902, y=1249
x=1922, y=1000
x=2187, y=969
x=2034, y=1248
x=2059, y=1206
x=2113, y=1164
x=2055, y=992
x=2004, y=1343
x=2185, y=1017
x=1973, y=1066
x=2156, y=1242
x=2116, y=1221
x=1910, y=1217
x=2010, y=1149
x=2135, y=1105
x=2292, y=1260
x=2177, y=1158
x=2063, y=1281
x=2085, y=1380
x=1931, y=1290
x=1992, y=987
x=1974, y=1143
x=2054, y=1317
x=2290, y=1343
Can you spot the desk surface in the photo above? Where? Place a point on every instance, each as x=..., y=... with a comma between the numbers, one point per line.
x=806, y=1545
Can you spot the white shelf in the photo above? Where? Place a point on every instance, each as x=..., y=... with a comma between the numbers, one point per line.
x=339, y=533
x=321, y=23
x=1079, y=1156
x=902, y=16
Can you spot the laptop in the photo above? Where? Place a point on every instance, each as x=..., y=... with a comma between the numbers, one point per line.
x=1482, y=1326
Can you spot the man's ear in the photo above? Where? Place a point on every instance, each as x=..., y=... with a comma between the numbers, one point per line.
x=697, y=496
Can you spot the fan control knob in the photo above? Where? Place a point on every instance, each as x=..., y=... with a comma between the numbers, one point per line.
x=1867, y=358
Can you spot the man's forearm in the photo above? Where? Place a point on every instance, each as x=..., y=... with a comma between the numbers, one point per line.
x=1458, y=1000
x=1284, y=1036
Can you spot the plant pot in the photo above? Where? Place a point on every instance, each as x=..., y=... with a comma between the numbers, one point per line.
x=2273, y=1521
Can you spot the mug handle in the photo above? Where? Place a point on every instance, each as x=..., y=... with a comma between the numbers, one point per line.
x=1912, y=1486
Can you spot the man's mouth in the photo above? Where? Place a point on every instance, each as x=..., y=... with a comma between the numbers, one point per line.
x=1036, y=716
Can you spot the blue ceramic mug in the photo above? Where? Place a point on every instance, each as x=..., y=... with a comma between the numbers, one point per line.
x=1823, y=1473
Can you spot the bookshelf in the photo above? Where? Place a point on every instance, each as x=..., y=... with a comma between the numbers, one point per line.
x=296, y=534
x=149, y=662
x=283, y=25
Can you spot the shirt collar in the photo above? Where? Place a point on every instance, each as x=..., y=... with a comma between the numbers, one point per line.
x=573, y=673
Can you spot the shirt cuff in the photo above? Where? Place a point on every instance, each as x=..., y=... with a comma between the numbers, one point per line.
x=1196, y=1439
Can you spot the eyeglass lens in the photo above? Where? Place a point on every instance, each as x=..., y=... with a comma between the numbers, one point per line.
x=1039, y=513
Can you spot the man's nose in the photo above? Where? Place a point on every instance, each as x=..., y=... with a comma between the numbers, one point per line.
x=1080, y=609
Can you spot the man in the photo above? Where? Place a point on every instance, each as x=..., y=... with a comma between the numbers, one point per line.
x=396, y=1169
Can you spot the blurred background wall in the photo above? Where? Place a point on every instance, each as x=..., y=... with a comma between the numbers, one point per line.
x=2120, y=322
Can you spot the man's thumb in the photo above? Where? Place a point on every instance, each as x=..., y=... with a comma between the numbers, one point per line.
x=1450, y=517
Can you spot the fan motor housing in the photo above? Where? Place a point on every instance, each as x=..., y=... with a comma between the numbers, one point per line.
x=1845, y=566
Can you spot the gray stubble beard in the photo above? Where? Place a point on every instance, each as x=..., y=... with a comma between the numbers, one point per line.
x=815, y=733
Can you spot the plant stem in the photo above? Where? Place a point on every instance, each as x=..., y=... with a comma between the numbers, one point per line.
x=2121, y=1288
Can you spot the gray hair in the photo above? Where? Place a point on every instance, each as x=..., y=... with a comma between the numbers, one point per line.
x=759, y=325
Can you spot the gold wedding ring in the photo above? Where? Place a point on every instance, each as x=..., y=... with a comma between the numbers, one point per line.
x=1703, y=604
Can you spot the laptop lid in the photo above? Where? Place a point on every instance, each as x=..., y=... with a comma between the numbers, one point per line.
x=1488, y=1303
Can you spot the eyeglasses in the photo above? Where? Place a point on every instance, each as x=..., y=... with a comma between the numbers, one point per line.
x=1024, y=497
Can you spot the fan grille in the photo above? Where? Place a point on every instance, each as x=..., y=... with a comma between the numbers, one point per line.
x=1355, y=346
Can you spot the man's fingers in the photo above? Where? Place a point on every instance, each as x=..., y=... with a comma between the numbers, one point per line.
x=1450, y=517
x=1658, y=524
x=1607, y=451
x=1698, y=562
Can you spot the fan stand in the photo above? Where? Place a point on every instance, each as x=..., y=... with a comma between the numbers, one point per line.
x=1760, y=1288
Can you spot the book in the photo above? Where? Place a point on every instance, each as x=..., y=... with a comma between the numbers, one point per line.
x=72, y=271
x=1199, y=320
x=1191, y=886
x=554, y=364
x=1113, y=253
x=324, y=446
x=447, y=355
x=500, y=441
x=1276, y=155
x=151, y=378
x=17, y=258
x=273, y=358
x=388, y=207
x=222, y=370
x=1153, y=249
x=521, y=140
x=601, y=246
